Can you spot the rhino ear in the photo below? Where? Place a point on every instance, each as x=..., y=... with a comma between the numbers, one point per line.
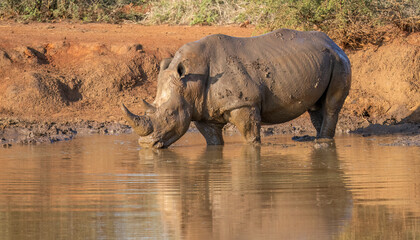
x=164, y=64
x=180, y=69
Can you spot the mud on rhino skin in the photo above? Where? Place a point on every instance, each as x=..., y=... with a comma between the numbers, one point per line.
x=268, y=79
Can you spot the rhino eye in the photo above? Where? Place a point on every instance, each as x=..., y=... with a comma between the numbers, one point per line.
x=170, y=112
x=181, y=69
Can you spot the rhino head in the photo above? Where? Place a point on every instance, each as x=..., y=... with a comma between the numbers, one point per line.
x=179, y=91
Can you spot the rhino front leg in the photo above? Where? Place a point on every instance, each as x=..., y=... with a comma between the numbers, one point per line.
x=248, y=122
x=212, y=132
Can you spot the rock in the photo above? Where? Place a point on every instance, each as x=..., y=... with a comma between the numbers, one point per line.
x=305, y=138
x=321, y=145
x=6, y=145
x=268, y=131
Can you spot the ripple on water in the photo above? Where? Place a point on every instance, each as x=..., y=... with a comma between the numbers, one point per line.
x=106, y=187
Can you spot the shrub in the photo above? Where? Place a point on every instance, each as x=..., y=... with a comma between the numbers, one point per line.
x=351, y=22
x=85, y=10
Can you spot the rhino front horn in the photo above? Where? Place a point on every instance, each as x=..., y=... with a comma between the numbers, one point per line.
x=142, y=125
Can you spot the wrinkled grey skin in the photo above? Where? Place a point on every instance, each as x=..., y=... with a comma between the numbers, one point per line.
x=267, y=79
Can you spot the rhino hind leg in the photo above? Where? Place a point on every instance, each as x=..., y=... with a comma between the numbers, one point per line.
x=248, y=122
x=316, y=119
x=211, y=132
x=333, y=101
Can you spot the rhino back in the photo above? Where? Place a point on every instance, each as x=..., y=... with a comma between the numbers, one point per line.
x=283, y=72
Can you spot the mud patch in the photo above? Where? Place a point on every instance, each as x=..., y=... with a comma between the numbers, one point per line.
x=406, y=141
x=385, y=82
x=378, y=129
x=14, y=131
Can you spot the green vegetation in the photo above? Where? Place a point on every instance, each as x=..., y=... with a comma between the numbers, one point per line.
x=353, y=22
x=84, y=10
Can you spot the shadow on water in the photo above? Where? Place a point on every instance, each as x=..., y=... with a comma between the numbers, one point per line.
x=407, y=126
x=250, y=192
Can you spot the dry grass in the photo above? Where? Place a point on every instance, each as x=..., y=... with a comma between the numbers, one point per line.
x=190, y=12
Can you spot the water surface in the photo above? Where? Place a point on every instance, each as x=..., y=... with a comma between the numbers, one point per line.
x=106, y=187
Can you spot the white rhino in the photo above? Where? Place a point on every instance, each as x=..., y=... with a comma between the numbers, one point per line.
x=268, y=79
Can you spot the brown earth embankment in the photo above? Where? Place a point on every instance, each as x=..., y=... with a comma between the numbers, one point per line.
x=72, y=77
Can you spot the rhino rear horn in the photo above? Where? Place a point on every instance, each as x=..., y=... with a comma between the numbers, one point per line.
x=142, y=125
x=149, y=108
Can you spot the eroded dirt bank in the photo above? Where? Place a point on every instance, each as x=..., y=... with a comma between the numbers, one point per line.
x=59, y=80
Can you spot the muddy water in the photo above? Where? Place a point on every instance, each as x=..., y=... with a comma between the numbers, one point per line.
x=106, y=187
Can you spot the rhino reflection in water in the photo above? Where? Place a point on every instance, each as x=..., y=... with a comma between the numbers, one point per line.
x=250, y=193
x=267, y=79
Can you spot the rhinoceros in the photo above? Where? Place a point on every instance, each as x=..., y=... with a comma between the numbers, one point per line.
x=267, y=79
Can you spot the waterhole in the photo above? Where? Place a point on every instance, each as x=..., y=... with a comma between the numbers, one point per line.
x=107, y=187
